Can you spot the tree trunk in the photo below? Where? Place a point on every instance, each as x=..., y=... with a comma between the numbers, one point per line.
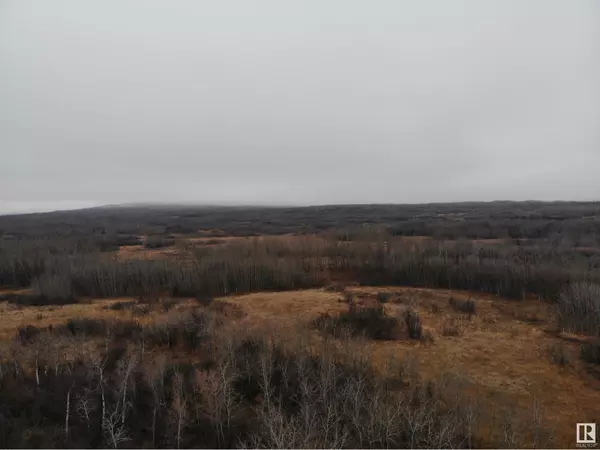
x=67, y=409
x=154, y=427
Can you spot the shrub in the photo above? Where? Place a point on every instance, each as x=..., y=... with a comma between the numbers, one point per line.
x=579, y=308
x=204, y=300
x=465, y=306
x=227, y=309
x=85, y=326
x=558, y=354
x=590, y=351
x=455, y=326
x=371, y=322
x=141, y=310
x=452, y=329
x=37, y=300
x=383, y=297
x=108, y=247
x=128, y=240
x=27, y=333
x=349, y=298
x=153, y=242
x=167, y=304
x=428, y=336
x=413, y=324
x=125, y=330
x=120, y=306
x=335, y=287
x=187, y=329
x=116, y=329
x=184, y=289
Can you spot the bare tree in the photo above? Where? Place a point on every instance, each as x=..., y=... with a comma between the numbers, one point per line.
x=67, y=410
x=509, y=431
x=85, y=406
x=542, y=436
x=155, y=376
x=124, y=369
x=97, y=365
x=179, y=408
x=114, y=431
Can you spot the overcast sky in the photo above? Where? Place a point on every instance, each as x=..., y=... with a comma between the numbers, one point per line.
x=304, y=102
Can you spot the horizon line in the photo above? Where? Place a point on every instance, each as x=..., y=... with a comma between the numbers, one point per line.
x=272, y=205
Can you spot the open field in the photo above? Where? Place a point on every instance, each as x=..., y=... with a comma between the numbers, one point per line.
x=352, y=336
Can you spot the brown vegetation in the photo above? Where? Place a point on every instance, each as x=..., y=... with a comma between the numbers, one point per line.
x=395, y=334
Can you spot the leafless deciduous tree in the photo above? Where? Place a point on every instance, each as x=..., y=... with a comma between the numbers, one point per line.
x=179, y=411
x=115, y=432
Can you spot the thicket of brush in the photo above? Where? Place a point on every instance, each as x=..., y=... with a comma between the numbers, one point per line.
x=465, y=306
x=244, y=391
x=365, y=321
x=159, y=241
x=186, y=329
x=590, y=351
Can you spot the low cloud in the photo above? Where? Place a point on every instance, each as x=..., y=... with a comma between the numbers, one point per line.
x=305, y=103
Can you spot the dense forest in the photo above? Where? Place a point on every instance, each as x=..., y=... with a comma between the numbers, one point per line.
x=540, y=247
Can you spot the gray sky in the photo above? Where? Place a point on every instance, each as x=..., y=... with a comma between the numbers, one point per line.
x=304, y=102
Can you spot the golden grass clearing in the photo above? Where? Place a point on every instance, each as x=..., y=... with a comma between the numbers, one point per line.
x=502, y=357
x=140, y=252
x=12, y=317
